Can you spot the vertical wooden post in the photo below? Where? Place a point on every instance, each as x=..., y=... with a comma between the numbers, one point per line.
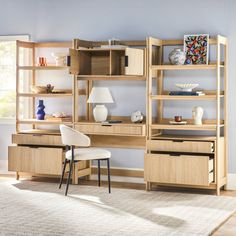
x=226, y=110
x=217, y=156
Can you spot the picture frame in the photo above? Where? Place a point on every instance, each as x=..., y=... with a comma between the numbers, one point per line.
x=196, y=48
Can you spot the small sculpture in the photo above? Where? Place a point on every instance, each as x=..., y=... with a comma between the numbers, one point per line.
x=197, y=114
x=40, y=114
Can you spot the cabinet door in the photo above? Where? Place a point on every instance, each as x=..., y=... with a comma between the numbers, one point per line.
x=74, y=61
x=35, y=160
x=134, y=61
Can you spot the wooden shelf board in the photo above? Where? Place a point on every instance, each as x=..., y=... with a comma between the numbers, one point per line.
x=123, y=123
x=170, y=97
x=185, y=67
x=185, y=127
x=40, y=131
x=111, y=77
x=185, y=137
x=101, y=49
x=49, y=67
x=45, y=95
x=43, y=122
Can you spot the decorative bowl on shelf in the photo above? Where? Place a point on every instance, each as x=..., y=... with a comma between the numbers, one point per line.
x=187, y=87
x=38, y=89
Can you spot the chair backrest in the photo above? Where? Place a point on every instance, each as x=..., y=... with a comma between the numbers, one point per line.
x=73, y=137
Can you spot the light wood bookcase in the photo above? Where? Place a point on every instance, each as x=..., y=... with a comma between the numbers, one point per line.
x=39, y=150
x=196, y=161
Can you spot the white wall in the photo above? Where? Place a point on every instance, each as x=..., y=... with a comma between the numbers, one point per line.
x=126, y=19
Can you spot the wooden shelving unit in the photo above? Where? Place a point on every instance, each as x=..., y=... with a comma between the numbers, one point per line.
x=90, y=62
x=186, y=161
x=39, y=149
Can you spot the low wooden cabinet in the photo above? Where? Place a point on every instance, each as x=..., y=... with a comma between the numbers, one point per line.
x=178, y=169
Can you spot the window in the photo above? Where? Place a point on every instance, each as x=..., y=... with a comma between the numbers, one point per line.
x=8, y=76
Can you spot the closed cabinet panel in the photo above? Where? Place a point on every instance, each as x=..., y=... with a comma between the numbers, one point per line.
x=37, y=139
x=193, y=170
x=48, y=161
x=74, y=61
x=35, y=160
x=126, y=130
x=181, y=146
x=134, y=61
x=183, y=169
x=159, y=168
x=20, y=159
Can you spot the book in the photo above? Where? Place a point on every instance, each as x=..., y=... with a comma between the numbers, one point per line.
x=186, y=93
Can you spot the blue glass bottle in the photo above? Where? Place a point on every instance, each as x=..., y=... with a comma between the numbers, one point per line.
x=40, y=114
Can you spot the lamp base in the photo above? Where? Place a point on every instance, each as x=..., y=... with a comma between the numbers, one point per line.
x=100, y=113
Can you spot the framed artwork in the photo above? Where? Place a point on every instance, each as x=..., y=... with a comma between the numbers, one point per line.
x=196, y=48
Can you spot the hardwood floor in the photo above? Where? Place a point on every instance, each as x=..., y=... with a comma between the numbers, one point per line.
x=228, y=228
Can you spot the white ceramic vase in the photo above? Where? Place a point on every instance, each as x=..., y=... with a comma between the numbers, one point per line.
x=197, y=113
x=177, y=57
x=100, y=113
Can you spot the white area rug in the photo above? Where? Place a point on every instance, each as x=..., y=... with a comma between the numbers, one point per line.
x=35, y=208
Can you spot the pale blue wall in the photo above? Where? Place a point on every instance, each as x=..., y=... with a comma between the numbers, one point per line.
x=125, y=19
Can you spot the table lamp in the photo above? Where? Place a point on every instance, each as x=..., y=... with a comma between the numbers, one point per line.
x=100, y=95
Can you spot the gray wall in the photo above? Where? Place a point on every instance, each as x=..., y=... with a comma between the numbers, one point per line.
x=123, y=19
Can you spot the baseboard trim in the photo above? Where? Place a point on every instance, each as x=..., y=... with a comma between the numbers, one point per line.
x=125, y=172
x=231, y=182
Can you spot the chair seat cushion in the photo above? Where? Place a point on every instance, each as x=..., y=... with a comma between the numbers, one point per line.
x=81, y=154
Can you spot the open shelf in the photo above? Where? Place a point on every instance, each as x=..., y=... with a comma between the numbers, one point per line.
x=49, y=67
x=111, y=77
x=45, y=95
x=207, y=127
x=100, y=62
x=170, y=97
x=43, y=122
x=185, y=67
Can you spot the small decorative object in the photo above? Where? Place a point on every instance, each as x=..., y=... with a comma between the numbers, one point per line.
x=196, y=48
x=187, y=87
x=59, y=114
x=100, y=95
x=40, y=114
x=173, y=122
x=60, y=58
x=178, y=118
x=177, y=57
x=137, y=117
x=38, y=89
x=42, y=61
x=197, y=113
x=49, y=88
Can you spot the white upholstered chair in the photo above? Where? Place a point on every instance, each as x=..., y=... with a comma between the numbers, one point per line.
x=73, y=138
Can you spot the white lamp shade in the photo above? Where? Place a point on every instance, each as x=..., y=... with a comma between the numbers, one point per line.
x=100, y=95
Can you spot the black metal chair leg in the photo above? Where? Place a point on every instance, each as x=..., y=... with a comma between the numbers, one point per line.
x=63, y=173
x=69, y=176
x=99, y=174
x=108, y=174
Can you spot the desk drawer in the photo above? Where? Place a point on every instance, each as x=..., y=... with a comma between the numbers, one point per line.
x=180, y=146
x=35, y=160
x=183, y=169
x=37, y=139
x=114, y=129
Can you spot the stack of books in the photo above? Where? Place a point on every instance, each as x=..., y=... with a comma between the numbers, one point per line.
x=186, y=93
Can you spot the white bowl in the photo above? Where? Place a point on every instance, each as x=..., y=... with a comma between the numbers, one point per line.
x=187, y=87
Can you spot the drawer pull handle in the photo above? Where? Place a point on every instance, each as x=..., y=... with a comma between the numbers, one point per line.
x=177, y=141
x=174, y=155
